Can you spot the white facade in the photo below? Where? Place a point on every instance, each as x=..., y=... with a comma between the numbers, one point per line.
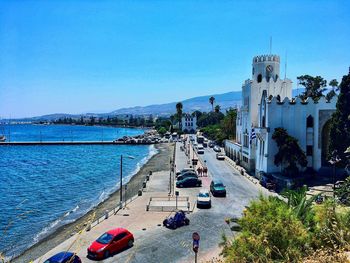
x=189, y=123
x=267, y=104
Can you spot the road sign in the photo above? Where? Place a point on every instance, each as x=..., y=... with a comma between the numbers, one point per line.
x=195, y=236
x=195, y=245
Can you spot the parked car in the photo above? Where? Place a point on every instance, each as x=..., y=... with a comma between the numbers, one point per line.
x=186, y=175
x=179, y=219
x=110, y=242
x=217, y=149
x=211, y=145
x=205, y=143
x=204, y=199
x=220, y=156
x=189, y=182
x=217, y=188
x=185, y=170
x=64, y=257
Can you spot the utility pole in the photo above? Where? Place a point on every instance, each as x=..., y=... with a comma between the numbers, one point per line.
x=121, y=181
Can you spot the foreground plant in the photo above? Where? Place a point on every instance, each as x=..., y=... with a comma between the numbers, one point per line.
x=272, y=230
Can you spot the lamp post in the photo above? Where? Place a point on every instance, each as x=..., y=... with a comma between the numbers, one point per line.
x=333, y=161
x=121, y=178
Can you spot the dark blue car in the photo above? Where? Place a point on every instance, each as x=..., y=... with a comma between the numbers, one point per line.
x=64, y=257
x=179, y=219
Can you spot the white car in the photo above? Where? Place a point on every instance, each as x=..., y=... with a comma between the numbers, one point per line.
x=220, y=156
x=204, y=199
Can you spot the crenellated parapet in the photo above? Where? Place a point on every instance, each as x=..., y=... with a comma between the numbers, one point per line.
x=275, y=100
x=266, y=58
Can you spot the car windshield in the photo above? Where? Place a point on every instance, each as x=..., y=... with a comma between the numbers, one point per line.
x=105, y=238
x=203, y=195
x=219, y=185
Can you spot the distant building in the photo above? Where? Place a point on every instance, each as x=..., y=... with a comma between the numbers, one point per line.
x=267, y=104
x=189, y=123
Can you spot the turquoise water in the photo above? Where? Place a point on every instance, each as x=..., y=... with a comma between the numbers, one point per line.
x=64, y=132
x=45, y=187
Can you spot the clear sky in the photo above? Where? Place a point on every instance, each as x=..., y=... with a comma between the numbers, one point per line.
x=82, y=56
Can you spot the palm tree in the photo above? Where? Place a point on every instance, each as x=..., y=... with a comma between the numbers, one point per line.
x=179, y=108
x=217, y=108
x=211, y=101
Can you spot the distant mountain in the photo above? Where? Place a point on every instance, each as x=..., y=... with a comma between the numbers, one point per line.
x=225, y=100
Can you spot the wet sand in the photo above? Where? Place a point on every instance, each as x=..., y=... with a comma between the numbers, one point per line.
x=159, y=162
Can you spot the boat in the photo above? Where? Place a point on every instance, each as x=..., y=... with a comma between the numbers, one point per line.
x=2, y=138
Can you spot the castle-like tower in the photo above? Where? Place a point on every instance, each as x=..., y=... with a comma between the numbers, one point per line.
x=266, y=66
x=265, y=80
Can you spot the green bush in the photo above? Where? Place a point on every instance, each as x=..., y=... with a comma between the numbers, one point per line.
x=270, y=232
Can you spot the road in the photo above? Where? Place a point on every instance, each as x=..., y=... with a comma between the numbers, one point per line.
x=164, y=245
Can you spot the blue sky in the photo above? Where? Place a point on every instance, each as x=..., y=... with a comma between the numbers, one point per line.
x=83, y=56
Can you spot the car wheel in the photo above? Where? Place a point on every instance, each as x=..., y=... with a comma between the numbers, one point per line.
x=174, y=226
x=106, y=254
x=187, y=221
x=130, y=243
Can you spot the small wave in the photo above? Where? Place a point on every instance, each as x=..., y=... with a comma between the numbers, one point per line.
x=152, y=151
x=71, y=211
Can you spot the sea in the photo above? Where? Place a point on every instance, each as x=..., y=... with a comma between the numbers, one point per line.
x=45, y=187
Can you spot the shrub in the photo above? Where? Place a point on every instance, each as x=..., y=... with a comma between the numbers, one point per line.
x=270, y=232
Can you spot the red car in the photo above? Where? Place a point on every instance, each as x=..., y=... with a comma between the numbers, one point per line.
x=110, y=242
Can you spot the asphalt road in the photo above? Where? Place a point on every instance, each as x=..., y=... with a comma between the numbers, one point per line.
x=164, y=245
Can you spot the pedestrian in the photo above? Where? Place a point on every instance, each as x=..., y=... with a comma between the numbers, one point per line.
x=199, y=171
x=205, y=171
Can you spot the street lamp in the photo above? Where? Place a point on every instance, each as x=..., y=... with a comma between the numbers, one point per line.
x=121, y=178
x=333, y=161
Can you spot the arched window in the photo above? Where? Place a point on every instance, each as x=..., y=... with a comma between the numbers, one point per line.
x=259, y=78
x=309, y=122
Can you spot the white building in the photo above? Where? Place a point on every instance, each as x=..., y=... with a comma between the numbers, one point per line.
x=189, y=123
x=267, y=104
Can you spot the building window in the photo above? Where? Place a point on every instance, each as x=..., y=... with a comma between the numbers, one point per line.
x=309, y=150
x=309, y=122
x=259, y=78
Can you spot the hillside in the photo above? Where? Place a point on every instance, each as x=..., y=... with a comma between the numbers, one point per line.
x=225, y=100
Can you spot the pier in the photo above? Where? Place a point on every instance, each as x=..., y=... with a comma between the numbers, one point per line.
x=33, y=143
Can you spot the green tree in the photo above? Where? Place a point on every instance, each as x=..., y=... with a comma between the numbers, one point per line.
x=289, y=154
x=314, y=86
x=217, y=108
x=211, y=101
x=197, y=114
x=162, y=130
x=179, y=108
x=340, y=122
x=334, y=84
x=228, y=124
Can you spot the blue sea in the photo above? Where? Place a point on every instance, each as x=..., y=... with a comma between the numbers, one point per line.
x=45, y=187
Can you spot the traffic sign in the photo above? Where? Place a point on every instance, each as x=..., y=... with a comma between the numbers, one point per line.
x=195, y=236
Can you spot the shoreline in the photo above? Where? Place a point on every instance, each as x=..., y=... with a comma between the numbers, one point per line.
x=158, y=162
